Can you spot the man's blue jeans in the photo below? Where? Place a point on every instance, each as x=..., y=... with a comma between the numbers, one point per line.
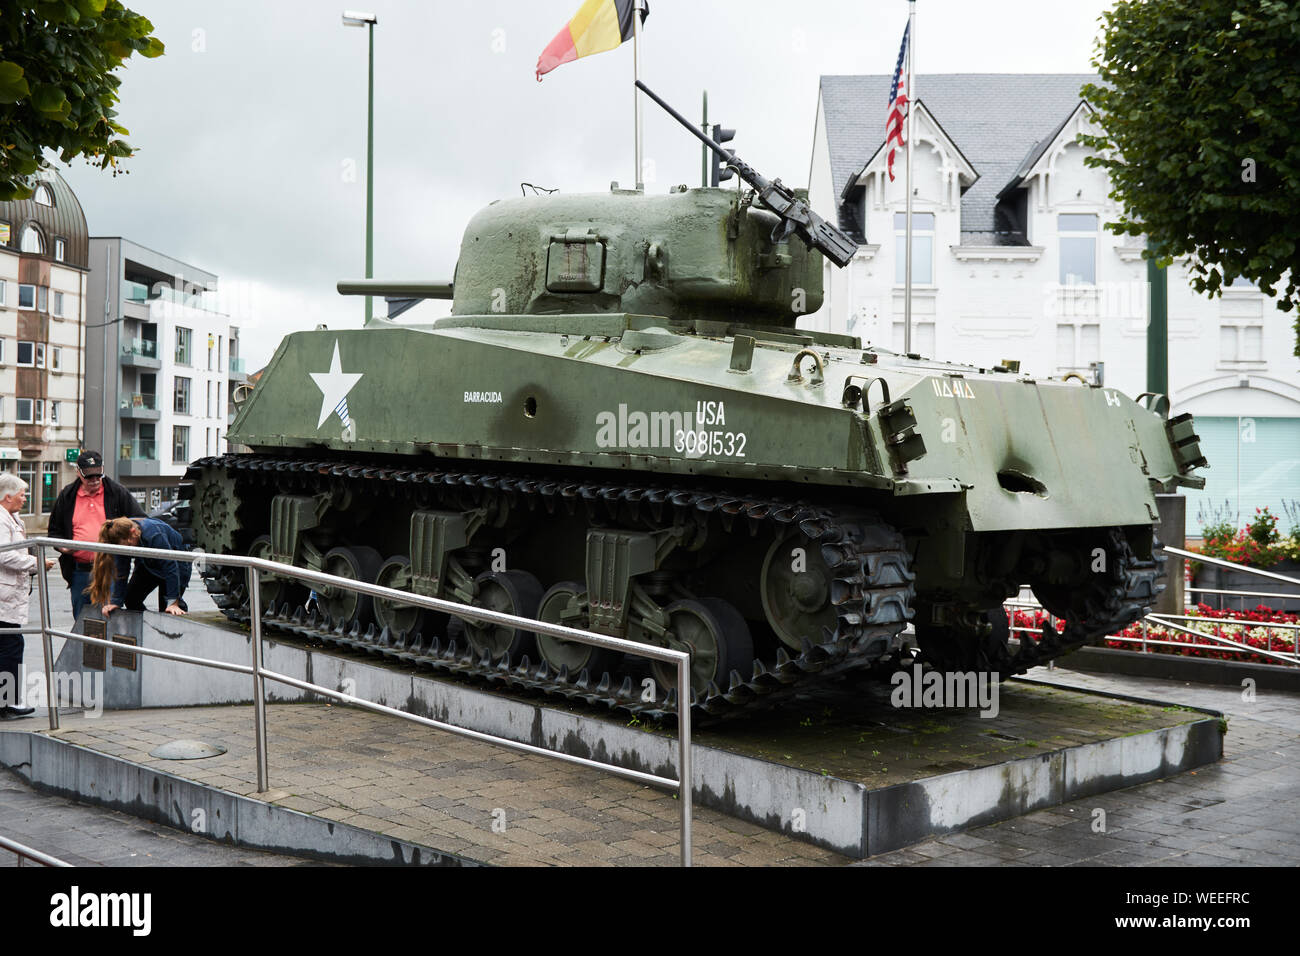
x=80, y=581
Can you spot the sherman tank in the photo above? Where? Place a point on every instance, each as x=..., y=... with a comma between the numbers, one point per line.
x=621, y=427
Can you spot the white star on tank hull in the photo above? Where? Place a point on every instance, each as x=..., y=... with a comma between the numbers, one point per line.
x=334, y=386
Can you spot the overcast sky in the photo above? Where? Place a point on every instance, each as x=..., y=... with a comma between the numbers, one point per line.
x=251, y=129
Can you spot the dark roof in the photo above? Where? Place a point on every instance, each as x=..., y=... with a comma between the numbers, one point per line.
x=64, y=220
x=997, y=120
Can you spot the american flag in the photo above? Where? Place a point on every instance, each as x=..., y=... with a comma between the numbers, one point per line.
x=897, y=110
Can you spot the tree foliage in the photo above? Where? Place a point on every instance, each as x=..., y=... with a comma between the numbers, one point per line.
x=57, y=88
x=1200, y=112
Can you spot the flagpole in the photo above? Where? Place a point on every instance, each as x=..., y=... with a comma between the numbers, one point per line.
x=911, y=106
x=636, y=75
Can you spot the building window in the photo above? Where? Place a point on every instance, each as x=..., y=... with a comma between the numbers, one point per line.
x=181, y=396
x=23, y=411
x=40, y=355
x=922, y=248
x=1078, y=234
x=33, y=240
x=43, y=196
x=2, y=409
x=56, y=409
x=58, y=304
x=26, y=296
x=27, y=354
x=60, y=249
x=2, y=351
x=182, y=346
x=42, y=298
x=27, y=472
x=2, y=291
x=180, y=444
x=56, y=358
x=1078, y=347
x=4, y=233
x=211, y=342
x=1241, y=343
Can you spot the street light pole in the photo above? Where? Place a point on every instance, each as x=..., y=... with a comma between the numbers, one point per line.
x=353, y=18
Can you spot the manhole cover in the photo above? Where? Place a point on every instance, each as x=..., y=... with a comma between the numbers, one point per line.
x=186, y=750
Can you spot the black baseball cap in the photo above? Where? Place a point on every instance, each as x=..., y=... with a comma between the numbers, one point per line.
x=90, y=459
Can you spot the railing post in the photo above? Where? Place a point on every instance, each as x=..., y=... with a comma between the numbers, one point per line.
x=1144, y=635
x=684, y=775
x=47, y=645
x=259, y=685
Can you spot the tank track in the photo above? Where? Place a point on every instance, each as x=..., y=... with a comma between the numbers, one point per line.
x=871, y=587
x=1124, y=595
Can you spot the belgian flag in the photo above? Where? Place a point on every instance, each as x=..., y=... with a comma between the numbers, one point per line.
x=598, y=26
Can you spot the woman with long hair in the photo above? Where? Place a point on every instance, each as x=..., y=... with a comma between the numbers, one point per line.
x=112, y=583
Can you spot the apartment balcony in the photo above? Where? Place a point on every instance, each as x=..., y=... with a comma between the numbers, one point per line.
x=141, y=406
x=141, y=353
x=236, y=371
x=138, y=459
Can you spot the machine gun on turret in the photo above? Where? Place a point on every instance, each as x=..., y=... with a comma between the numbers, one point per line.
x=795, y=213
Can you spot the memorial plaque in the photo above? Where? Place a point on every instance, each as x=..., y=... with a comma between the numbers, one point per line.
x=92, y=656
x=124, y=659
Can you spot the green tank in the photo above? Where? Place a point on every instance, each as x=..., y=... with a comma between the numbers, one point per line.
x=620, y=427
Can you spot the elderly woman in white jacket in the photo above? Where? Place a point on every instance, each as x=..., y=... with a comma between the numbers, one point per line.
x=16, y=568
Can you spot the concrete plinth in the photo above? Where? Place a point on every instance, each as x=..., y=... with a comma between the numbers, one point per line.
x=842, y=770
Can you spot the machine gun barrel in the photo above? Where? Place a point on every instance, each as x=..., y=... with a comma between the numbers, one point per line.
x=796, y=215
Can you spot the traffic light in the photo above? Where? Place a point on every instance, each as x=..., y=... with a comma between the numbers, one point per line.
x=720, y=173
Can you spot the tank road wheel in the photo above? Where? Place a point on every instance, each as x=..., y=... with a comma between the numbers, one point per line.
x=716, y=636
x=1112, y=587
x=510, y=592
x=403, y=618
x=273, y=588
x=358, y=563
x=560, y=653
x=796, y=591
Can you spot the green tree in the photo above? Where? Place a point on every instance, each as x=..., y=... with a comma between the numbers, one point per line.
x=57, y=88
x=1200, y=111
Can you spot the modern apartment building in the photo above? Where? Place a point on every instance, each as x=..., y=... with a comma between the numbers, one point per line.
x=159, y=366
x=1012, y=260
x=43, y=281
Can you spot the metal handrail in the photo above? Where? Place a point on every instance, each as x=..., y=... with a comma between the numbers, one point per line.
x=681, y=659
x=25, y=852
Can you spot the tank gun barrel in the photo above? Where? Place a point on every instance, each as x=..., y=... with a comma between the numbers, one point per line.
x=395, y=288
x=796, y=215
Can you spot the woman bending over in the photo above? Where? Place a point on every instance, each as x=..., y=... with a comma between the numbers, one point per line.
x=113, y=585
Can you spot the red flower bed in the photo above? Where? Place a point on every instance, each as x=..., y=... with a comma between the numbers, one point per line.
x=1245, y=627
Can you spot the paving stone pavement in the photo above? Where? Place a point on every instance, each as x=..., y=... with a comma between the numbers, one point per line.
x=439, y=790
x=92, y=836
x=1242, y=811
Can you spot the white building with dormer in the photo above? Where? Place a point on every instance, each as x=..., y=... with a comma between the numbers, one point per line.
x=1011, y=260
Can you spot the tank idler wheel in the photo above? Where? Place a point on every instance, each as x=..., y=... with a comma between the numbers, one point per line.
x=716, y=636
x=402, y=618
x=796, y=591
x=273, y=588
x=510, y=592
x=560, y=653
x=358, y=563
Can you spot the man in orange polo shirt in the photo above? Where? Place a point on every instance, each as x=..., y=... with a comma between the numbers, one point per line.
x=80, y=511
